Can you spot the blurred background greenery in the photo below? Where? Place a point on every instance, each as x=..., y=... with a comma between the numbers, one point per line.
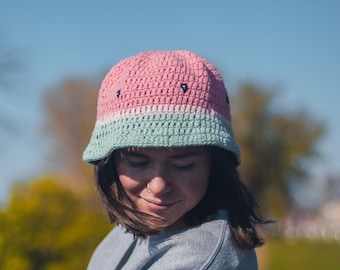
x=55, y=221
x=282, y=254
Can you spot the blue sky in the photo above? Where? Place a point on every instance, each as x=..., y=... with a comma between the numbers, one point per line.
x=292, y=46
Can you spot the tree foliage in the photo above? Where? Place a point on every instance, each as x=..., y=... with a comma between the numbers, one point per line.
x=274, y=145
x=46, y=226
x=70, y=115
x=56, y=222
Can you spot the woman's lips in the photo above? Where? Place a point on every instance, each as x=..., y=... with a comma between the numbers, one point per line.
x=158, y=206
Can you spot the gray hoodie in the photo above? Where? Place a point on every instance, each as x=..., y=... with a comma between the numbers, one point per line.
x=206, y=246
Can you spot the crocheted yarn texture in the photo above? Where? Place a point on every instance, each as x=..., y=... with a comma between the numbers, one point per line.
x=161, y=99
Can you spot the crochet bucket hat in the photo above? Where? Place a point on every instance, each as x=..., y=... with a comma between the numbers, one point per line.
x=161, y=99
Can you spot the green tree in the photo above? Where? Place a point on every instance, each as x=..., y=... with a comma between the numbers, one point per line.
x=275, y=146
x=45, y=225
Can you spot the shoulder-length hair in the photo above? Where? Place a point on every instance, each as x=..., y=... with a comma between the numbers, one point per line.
x=225, y=191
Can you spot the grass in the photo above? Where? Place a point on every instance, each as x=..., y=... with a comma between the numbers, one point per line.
x=281, y=254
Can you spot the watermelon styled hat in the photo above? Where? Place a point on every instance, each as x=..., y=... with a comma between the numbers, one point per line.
x=161, y=99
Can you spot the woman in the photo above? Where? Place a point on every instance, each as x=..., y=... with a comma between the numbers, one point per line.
x=165, y=162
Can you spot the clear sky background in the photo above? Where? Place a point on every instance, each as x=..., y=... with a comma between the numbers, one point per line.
x=292, y=45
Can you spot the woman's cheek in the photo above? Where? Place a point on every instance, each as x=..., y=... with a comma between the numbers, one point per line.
x=130, y=184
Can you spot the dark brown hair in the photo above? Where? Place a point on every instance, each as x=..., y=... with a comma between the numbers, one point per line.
x=225, y=191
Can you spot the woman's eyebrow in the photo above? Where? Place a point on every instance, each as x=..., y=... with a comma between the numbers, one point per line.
x=185, y=155
x=179, y=155
x=132, y=154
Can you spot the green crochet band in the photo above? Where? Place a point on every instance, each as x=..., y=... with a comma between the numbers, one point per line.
x=160, y=130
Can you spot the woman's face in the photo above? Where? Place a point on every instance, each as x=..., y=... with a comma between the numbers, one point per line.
x=165, y=182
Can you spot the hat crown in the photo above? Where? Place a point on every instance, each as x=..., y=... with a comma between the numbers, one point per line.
x=161, y=99
x=164, y=79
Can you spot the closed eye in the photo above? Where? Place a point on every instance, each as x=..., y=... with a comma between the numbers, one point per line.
x=137, y=164
x=184, y=166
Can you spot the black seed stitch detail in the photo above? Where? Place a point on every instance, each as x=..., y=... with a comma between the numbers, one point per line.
x=185, y=88
x=118, y=93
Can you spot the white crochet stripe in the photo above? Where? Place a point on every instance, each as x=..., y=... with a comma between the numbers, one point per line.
x=159, y=109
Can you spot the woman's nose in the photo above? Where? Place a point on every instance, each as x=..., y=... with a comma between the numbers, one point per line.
x=159, y=184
